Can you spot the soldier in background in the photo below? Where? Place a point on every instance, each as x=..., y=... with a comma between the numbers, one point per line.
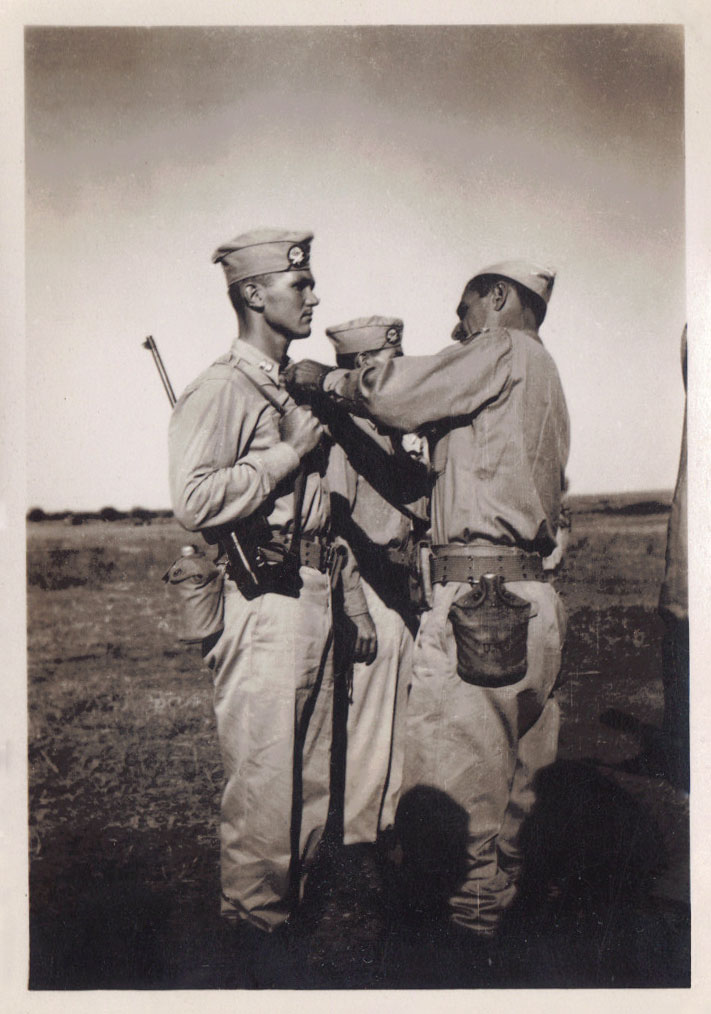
x=674, y=609
x=379, y=497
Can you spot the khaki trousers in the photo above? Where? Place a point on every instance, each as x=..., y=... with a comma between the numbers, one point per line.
x=273, y=696
x=484, y=747
x=376, y=727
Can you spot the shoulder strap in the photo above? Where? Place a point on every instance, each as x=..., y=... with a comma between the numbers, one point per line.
x=369, y=459
x=274, y=402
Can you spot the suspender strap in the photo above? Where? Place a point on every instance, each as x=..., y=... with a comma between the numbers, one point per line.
x=274, y=402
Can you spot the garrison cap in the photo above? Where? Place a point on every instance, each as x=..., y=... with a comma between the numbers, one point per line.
x=366, y=334
x=537, y=280
x=263, y=252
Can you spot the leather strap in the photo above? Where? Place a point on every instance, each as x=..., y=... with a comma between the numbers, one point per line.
x=399, y=557
x=299, y=491
x=271, y=398
x=300, y=481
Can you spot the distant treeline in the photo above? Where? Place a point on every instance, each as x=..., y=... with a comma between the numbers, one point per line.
x=654, y=502
x=645, y=503
x=140, y=515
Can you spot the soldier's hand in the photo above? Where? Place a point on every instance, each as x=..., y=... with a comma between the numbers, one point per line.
x=366, y=641
x=415, y=447
x=305, y=377
x=300, y=428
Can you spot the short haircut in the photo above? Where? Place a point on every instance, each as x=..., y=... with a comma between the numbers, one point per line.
x=483, y=284
x=347, y=361
x=236, y=289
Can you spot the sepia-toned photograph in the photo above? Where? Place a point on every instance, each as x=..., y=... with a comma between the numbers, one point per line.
x=356, y=518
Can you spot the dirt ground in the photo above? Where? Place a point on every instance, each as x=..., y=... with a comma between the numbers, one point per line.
x=125, y=781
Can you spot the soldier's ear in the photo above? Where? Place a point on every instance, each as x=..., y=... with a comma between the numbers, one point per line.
x=361, y=359
x=253, y=295
x=499, y=295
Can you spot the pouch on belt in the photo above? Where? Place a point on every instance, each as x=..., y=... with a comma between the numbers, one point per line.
x=199, y=585
x=490, y=630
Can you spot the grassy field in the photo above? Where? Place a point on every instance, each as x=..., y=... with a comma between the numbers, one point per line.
x=125, y=779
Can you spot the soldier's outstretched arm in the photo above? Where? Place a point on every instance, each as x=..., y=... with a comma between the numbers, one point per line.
x=410, y=391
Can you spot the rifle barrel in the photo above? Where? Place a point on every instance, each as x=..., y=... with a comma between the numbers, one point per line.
x=150, y=344
x=229, y=542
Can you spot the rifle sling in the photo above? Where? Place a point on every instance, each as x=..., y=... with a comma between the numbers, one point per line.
x=300, y=481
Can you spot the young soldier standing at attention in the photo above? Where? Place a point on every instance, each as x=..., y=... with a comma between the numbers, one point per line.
x=243, y=455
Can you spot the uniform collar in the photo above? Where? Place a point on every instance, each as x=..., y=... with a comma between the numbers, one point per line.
x=528, y=331
x=268, y=366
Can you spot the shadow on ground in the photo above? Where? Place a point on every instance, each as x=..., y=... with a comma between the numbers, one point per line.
x=374, y=918
x=587, y=915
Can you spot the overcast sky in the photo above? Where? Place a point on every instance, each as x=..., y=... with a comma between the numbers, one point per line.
x=416, y=155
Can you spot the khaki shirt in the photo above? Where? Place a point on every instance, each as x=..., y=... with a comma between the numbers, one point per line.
x=500, y=429
x=229, y=464
x=376, y=516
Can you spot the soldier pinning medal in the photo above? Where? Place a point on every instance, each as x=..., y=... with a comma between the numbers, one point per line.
x=247, y=470
x=482, y=720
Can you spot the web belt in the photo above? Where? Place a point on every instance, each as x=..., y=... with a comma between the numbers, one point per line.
x=313, y=551
x=470, y=563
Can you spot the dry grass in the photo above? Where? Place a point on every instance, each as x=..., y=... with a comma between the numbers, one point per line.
x=125, y=775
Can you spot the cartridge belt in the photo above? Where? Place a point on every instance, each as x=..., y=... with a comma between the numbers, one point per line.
x=470, y=563
x=315, y=551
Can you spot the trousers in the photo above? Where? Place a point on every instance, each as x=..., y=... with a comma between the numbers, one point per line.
x=484, y=746
x=273, y=695
x=376, y=726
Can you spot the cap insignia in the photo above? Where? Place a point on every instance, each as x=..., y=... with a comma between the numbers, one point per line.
x=296, y=256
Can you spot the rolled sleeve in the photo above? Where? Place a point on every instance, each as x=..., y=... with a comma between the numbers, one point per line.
x=342, y=484
x=354, y=603
x=279, y=461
